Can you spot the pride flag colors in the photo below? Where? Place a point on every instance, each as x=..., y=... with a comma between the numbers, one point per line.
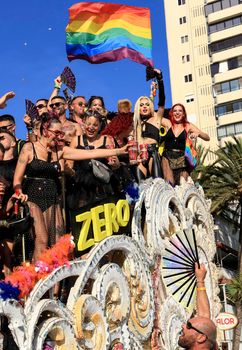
x=100, y=32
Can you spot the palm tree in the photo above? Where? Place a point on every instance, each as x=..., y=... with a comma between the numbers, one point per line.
x=202, y=154
x=222, y=183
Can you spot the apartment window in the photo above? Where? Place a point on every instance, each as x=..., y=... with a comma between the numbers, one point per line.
x=226, y=44
x=185, y=58
x=229, y=130
x=184, y=39
x=225, y=24
x=188, y=78
x=189, y=98
x=183, y=20
x=238, y=128
x=235, y=84
x=181, y=2
x=230, y=107
x=225, y=87
x=224, y=66
x=220, y=5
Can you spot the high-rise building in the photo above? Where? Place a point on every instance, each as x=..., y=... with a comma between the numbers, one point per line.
x=204, y=49
x=224, y=25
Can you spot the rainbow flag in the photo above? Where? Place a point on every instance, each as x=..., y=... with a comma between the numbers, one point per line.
x=100, y=32
x=191, y=154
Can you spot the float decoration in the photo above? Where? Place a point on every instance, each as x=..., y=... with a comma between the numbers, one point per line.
x=119, y=297
x=24, y=278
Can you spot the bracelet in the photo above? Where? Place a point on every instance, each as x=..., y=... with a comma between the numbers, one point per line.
x=17, y=187
x=57, y=86
x=201, y=289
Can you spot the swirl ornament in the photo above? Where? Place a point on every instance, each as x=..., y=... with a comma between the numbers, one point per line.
x=59, y=332
x=112, y=289
x=141, y=297
x=92, y=329
x=173, y=315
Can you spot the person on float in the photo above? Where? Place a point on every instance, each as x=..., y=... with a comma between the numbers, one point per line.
x=84, y=188
x=36, y=179
x=7, y=168
x=96, y=103
x=174, y=165
x=147, y=125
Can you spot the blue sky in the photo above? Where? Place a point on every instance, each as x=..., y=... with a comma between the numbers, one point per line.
x=33, y=54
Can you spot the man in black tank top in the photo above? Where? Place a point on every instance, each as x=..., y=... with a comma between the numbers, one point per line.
x=7, y=168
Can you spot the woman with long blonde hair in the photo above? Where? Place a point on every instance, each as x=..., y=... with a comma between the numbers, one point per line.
x=147, y=125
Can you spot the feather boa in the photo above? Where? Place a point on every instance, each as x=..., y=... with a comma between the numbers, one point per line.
x=23, y=279
x=132, y=192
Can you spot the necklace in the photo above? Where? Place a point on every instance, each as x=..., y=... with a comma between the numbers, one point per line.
x=45, y=147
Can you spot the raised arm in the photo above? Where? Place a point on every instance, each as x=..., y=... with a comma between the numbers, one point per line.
x=5, y=98
x=161, y=94
x=56, y=89
x=80, y=154
x=203, y=307
x=194, y=132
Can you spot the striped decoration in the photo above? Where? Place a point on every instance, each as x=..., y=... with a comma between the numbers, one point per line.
x=190, y=154
x=100, y=32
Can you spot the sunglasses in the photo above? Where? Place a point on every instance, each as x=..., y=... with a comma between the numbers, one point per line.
x=190, y=326
x=6, y=127
x=57, y=133
x=56, y=104
x=2, y=138
x=81, y=104
x=40, y=106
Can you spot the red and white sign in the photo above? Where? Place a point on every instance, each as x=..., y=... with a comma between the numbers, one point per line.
x=226, y=321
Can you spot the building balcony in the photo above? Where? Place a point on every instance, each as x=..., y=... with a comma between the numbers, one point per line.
x=228, y=75
x=229, y=96
x=225, y=34
x=229, y=118
x=226, y=54
x=229, y=12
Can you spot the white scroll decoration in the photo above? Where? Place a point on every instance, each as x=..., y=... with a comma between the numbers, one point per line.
x=118, y=299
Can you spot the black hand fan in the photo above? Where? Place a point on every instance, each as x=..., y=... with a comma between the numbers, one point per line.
x=68, y=78
x=31, y=110
x=179, y=267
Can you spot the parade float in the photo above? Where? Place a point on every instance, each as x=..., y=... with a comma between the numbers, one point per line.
x=133, y=289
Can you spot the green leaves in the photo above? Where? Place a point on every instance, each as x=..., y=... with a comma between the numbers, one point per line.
x=234, y=290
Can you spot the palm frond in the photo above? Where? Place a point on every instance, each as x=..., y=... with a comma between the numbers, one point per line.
x=234, y=289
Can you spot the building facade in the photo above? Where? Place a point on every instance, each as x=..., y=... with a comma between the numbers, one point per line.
x=204, y=49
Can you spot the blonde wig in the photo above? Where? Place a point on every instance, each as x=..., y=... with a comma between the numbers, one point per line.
x=137, y=119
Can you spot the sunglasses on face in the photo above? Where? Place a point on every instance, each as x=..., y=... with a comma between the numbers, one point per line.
x=145, y=104
x=57, y=133
x=81, y=104
x=2, y=138
x=190, y=326
x=6, y=127
x=40, y=106
x=56, y=104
